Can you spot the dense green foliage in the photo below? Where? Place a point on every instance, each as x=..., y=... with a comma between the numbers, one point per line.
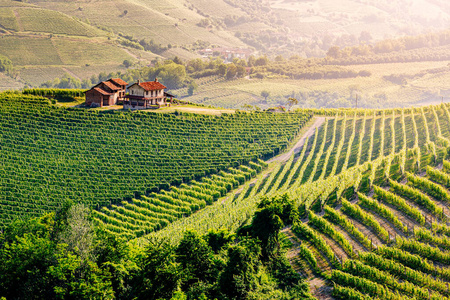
x=55, y=93
x=64, y=256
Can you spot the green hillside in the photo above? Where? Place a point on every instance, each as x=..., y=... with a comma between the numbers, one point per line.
x=42, y=44
x=361, y=198
x=261, y=181
x=82, y=39
x=375, y=240
x=102, y=158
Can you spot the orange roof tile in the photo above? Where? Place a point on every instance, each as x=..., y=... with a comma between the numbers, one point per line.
x=101, y=91
x=151, y=85
x=118, y=81
x=110, y=85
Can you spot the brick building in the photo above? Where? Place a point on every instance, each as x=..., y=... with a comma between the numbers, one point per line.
x=106, y=93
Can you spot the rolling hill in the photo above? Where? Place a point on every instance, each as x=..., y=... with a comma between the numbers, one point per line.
x=368, y=189
x=190, y=202
x=85, y=38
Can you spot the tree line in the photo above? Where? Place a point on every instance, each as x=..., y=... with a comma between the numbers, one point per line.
x=63, y=255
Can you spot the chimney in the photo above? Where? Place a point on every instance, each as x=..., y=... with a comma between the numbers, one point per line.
x=139, y=82
x=156, y=79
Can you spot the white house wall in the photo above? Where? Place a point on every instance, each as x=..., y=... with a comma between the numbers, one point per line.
x=136, y=90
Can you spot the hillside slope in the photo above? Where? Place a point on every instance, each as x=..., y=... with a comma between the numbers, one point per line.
x=51, y=154
x=105, y=33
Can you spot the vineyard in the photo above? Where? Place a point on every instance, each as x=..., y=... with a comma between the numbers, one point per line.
x=371, y=186
x=392, y=243
x=52, y=154
x=374, y=209
x=352, y=150
x=374, y=225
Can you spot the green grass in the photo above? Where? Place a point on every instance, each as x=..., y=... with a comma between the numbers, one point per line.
x=368, y=88
x=193, y=109
x=29, y=50
x=8, y=19
x=48, y=21
x=80, y=53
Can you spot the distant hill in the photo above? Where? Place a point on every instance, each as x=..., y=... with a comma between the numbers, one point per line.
x=47, y=39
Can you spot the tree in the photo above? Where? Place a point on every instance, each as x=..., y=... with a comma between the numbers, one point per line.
x=217, y=239
x=251, y=61
x=114, y=255
x=272, y=214
x=195, y=256
x=161, y=273
x=6, y=65
x=240, y=71
x=192, y=87
x=265, y=94
x=177, y=60
x=170, y=74
x=127, y=63
x=334, y=52
x=240, y=274
x=231, y=71
x=75, y=278
x=79, y=232
x=26, y=254
x=292, y=101
x=365, y=36
x=222, y=69
x=261, y=61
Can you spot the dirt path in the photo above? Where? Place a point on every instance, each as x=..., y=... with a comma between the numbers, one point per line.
x=298, y=146
x=320, y=289
x=299, y=265
x=367, y=231
x=318, y=286
x=357, y=246
x=19, y=22
x=132, y=54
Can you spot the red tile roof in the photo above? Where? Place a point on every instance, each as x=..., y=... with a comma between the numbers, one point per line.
x=111, y=85
x=151, y=85
x=118, y=81
x=101, y=91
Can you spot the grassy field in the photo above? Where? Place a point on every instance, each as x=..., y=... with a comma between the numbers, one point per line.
x=31, y=19
x=168, y=22
x=386, y=93
x=40, y=58
x=193, y=109
x=43, y=44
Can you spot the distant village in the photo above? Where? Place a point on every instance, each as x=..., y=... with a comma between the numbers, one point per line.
x=139, y=95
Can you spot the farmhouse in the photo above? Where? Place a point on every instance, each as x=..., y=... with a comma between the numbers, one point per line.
x=142, y=95
x=106, y=93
